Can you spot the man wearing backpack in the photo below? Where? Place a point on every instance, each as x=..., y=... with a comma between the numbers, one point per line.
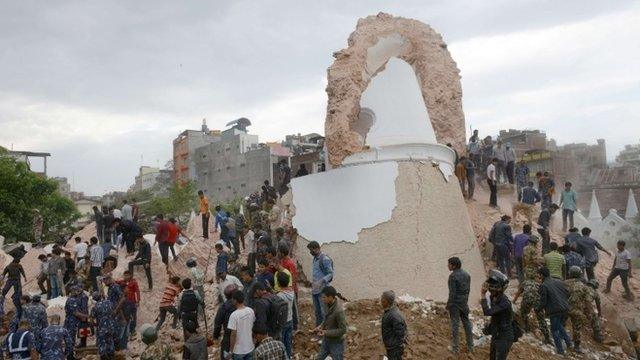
x=322, y=270
x=270, y=311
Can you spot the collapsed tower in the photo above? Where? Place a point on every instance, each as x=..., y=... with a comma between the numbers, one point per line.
x=389, y=210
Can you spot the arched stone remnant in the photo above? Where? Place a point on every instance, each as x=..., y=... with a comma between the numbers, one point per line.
x=376, y=40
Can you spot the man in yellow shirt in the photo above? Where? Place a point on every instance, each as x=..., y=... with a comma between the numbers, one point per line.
x=204, y=211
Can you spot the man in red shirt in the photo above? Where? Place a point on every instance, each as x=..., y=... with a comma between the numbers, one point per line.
x=287, y=262
x=132, y=296
x=162, y=237
x=174, y=230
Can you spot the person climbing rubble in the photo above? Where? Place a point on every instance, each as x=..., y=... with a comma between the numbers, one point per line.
x=544, y=221
x=189, y=302
x=499, y=309
x=588, y=247
x=621, y=267
x=554, y=300
x=579, y=304
x=322, y=270
x=76, y=310
x=57, y=342
x=36, y=314
x=143, y=258
x=394, y=327
x=459, y=285
x=333, y=327
x=106, y=335
x=204, y=213
x=221, y=321
x=167, y=302
x=529, y=289
x=154, y=350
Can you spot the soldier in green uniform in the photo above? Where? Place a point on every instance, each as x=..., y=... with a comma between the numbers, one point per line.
x=580, y=300
x=594, y=318
x=531, y=258
x=154, y=350
x=530, y=301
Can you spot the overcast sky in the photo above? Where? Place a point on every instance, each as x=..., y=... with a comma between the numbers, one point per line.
x=106, y=85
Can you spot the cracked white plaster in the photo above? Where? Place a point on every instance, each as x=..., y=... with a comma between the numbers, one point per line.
x=336, y=205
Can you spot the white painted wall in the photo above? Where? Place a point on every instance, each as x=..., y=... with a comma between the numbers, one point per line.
x=336, y=205
x=401, y=115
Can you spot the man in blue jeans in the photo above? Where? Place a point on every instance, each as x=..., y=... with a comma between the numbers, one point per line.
x=554, y=300
x=322, y=270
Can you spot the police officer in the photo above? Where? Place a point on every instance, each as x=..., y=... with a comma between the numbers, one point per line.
x=53, y=339
x=23, y=302
x=579, y=301
x=20, y=343
x=102, y=315
x=117, y=298
x=529, y=289
x=36, y=314
x=594, y=318
x=76, y=312
x=500, y=328
x=154, y=350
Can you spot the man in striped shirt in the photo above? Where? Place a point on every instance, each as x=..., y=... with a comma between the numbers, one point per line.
x=555, y=262
x=167, y=302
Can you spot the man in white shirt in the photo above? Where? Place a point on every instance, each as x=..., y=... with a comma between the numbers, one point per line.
x=241, y=326
x=492, y=180
x=621, y=267
x=500, y=153
x=127, y=211
x=96, y=259
x=225, y=280
x=80, y=250
x=117, y=214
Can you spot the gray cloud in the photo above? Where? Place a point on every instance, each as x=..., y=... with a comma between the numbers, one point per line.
x=100, y=83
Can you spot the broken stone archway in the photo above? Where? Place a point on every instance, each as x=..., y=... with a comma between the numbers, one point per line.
x=376, y=40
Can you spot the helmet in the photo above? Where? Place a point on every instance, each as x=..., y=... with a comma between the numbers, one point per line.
x=575, y=272
x=497, y=280
x=533, y=239
x=593, y=283
x=191, y=262
x=149, y=335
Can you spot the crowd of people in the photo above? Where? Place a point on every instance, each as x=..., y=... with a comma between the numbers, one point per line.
x=256, y=279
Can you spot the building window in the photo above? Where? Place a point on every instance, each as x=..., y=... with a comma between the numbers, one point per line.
x=228, y=187
x=219, y=189
x=242, y=165
x=218, y=151
x=243, y=185
x=228, y=167
x=219, y=170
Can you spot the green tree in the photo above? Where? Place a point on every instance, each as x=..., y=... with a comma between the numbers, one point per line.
x=22, y=191
x=178, y=203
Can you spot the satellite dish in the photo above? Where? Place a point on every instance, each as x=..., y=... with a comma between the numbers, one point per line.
x=240, y=124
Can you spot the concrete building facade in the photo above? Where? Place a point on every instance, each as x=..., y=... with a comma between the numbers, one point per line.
x=235, y=166
x=630, y=155
x=64, y=188
x=184, y=148
x=524, y=141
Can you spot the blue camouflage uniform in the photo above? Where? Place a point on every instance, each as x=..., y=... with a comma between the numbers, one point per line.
x=36, y=314
x=102, y=312
x=19, y=344
x=51, y=343
x=75, y=304
x=115, y=294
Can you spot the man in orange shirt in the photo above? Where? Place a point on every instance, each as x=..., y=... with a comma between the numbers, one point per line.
x=204, y=211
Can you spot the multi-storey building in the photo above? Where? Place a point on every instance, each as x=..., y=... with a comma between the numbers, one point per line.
x=236, y=165
x=184, y=147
